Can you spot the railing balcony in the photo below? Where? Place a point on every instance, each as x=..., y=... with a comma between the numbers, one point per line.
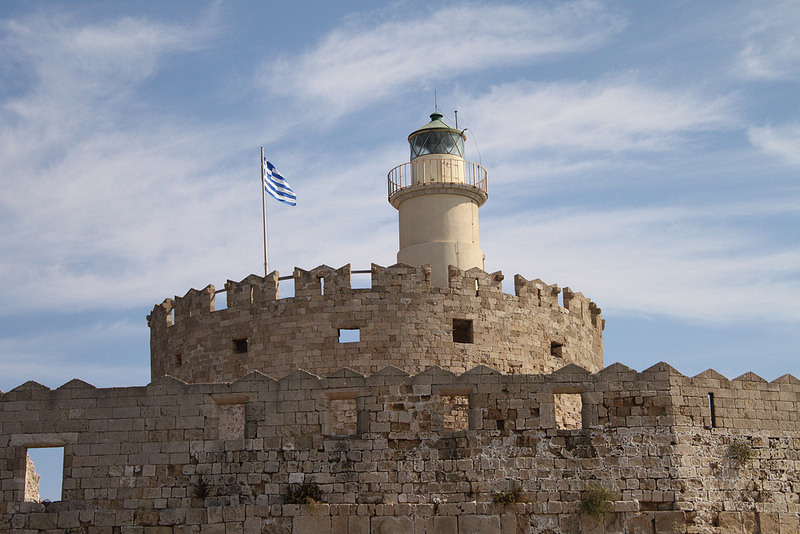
x=436, y=171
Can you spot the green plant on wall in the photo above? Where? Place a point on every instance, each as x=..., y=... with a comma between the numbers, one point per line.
x=202, y=489
x=597, y=501
x=741, y=452
x=303, y=494
x=508, y=497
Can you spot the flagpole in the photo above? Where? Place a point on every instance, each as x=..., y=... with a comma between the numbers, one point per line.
x=264, y=212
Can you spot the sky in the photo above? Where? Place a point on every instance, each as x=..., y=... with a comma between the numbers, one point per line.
x=646, y=154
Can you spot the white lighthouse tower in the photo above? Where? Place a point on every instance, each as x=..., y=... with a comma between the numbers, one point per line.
x=437, y=195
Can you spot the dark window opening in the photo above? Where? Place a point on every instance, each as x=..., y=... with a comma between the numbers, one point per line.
x=240, y=346
x=349, y=335
x=178, y=360
x=462, y=330
x=556, y=349
x=712, y=410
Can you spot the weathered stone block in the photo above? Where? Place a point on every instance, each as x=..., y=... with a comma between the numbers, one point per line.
x=670, y=522
x=305, y=524
x=391, y=525
x=443, y=525
x=478, y=524
x=730, y=522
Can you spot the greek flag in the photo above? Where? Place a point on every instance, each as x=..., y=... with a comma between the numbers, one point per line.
x=276, y=184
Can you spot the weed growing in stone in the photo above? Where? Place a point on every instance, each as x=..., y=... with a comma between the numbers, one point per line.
x=597, y=501
x=303, y=494
x=741, y=452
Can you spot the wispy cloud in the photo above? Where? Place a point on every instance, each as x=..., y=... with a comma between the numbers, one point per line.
x=361, y=64
x=614, y=116
x=98, y=191
x=771, y=48
x=783, y=141
x=712, y=265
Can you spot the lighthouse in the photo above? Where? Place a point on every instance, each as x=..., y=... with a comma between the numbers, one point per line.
x=437, y=195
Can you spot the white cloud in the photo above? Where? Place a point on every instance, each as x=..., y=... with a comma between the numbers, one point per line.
x=617, y=115
x=354, y=65
x=709, y=265
x=783, y=141
x=94, y=186
x=771, y=47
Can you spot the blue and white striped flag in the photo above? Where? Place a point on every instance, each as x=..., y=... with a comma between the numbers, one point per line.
x=276, y=184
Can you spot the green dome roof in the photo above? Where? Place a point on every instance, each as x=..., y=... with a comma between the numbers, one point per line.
x=436, y=124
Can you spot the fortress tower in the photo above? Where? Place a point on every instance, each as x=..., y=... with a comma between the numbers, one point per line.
x=460, y=408
x=437, y=195
x=435, y=307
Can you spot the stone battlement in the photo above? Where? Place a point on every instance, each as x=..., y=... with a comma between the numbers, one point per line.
x=401, y=321
x=411, y=451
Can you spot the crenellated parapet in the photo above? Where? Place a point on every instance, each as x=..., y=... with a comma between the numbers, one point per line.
x=434, y=444
x=402, y=320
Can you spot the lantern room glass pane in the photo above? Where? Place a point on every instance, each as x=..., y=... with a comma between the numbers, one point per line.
x=437, y=142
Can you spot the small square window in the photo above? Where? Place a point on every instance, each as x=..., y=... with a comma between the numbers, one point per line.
x=349, y=335
x=240, y=346
x=556, y=349
x=462, y=330
x=44, y=474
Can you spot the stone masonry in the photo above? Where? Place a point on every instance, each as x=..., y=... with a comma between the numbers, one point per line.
x=430, y=453
x=403, y=321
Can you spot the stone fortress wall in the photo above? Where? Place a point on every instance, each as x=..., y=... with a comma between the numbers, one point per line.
x=428, y=453
x=402, y=321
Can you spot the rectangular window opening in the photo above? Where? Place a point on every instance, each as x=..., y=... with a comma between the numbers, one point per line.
x=556, y=349
x=361, y=280
x=286, y=288
x=462, y=331
x=568, y=410
x=349, y=335
x=178, y=360
x=44, y=474
x=240, y=346
x=344, y=417
x=220, y=300
x=456, y=412
x=477, y=288
x=321, y=285
x=171, y=317
x=231, y=421
x=712, y=409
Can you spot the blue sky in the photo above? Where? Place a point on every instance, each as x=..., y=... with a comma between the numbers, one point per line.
x=646, y=154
